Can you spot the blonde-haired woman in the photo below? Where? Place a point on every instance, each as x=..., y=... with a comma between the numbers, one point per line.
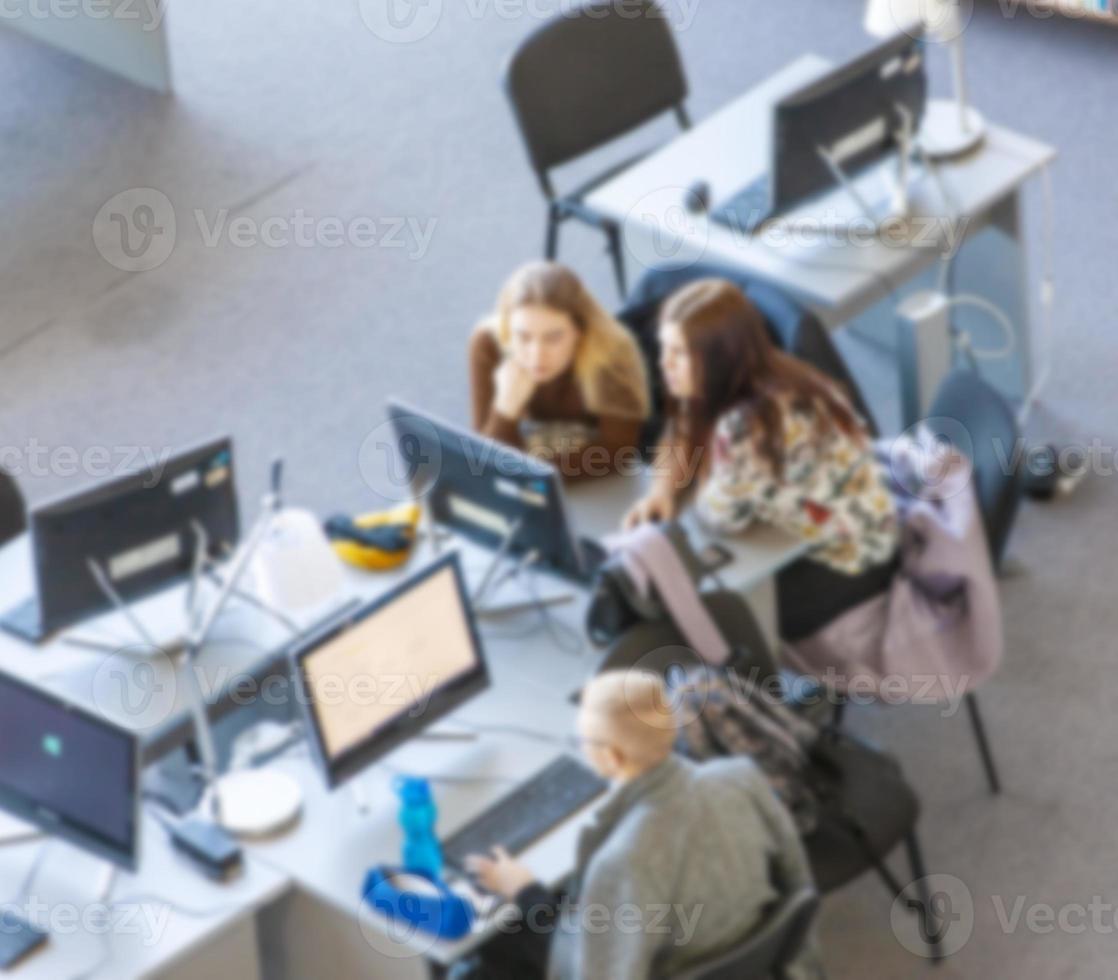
x=553, y=373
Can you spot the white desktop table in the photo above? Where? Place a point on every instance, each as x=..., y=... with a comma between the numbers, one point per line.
x=838, y=282
x=172, y=923
x=301, y=894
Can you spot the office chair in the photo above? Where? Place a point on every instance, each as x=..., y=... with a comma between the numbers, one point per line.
x=582, y=80
x=768, y=949
x=13, y=511
x=792, y=327
x=987, y=418
x=964, y=398
x=875, y=810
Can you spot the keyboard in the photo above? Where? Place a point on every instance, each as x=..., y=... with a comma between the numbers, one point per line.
x=527, y=813
x=747, y=209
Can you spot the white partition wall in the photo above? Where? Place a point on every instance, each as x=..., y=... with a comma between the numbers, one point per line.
x=127, y=37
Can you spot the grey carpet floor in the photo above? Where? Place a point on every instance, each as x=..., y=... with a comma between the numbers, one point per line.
x=282, y=107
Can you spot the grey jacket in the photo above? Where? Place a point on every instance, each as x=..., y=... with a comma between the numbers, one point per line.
x=679, y=865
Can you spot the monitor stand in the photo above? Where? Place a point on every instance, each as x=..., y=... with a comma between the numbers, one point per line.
x=514, y=568
x=899, y=206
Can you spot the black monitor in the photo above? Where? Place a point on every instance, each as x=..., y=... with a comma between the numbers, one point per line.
x=384, y=673
x=490, y=493
x=69, y=772
x=138, y=528
x=855, y=114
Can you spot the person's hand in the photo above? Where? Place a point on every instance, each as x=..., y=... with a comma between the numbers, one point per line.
x=514, y=388
x=500, y=874
x=658, y=505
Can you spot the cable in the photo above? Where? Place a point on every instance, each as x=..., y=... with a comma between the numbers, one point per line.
x=997, y=314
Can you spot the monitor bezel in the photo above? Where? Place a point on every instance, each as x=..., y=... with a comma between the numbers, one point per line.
x=57, y=825
x=442, y=701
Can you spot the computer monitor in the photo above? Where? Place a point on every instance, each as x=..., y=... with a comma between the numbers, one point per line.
x=383, y=674
x=490, y=493
x=69, y=772
x=138, y=528
x=854, y=113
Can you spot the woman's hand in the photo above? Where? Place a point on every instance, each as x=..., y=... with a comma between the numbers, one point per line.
x=514, y=389
x=658, y=505
x=500, y=874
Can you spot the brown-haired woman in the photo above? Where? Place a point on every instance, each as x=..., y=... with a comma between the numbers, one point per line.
x=773, y=439
x=552, y=372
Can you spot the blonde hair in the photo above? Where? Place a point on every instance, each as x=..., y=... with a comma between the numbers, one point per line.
x=608, y=366
x=633, y=711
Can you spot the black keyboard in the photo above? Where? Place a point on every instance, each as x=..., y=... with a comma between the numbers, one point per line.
x=527, y=813
x=747, y=209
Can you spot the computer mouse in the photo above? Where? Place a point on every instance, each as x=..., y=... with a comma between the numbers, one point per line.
x=697, y=197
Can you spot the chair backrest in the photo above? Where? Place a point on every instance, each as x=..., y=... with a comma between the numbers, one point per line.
x=768, y=949
x=591, y=75
x=992, y=432
x=659, y=646
x=794, y=328
x=13, y=512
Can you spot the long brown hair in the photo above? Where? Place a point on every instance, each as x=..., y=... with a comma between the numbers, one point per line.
x=736, y=364
x=608, y=365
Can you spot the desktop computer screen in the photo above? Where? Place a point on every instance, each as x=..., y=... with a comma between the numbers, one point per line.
x=69, y=772
x=380, y=676
x=137, y=528
x=490, y=493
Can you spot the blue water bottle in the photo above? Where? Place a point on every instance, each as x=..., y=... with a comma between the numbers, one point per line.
x=422, y=853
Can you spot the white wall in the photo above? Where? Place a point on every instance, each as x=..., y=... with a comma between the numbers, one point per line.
x=127, y=37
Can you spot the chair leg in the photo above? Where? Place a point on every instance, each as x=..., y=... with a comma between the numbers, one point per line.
x=551, y=244
x=983, y=744
x=931, y=930
x=613, y=233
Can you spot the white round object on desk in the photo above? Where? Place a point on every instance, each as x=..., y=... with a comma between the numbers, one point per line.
x=942, y=132
x=257, y=802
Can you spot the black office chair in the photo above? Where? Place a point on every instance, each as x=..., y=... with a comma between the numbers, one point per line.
x=13, y=511
x=582, y=80
x=793, y=328
x=767, y=950
x=880, y=810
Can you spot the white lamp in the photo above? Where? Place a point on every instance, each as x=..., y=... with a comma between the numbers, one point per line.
x=949, y=128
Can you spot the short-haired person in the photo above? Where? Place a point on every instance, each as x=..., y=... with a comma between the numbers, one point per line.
x=553, y=373
x=682, y=861
x=778, y=442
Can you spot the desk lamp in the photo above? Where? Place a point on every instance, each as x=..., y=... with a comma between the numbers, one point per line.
x=950, y=128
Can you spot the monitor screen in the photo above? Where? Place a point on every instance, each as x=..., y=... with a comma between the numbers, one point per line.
x=390, y=670
x=69, y=772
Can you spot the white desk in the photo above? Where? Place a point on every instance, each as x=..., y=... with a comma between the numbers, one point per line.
x=156, y=932
x=314, y=915
x=732, y=147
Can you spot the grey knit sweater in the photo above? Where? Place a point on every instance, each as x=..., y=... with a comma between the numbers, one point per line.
x=679, y=865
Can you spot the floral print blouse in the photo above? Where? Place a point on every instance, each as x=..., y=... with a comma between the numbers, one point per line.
x=832, y=491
